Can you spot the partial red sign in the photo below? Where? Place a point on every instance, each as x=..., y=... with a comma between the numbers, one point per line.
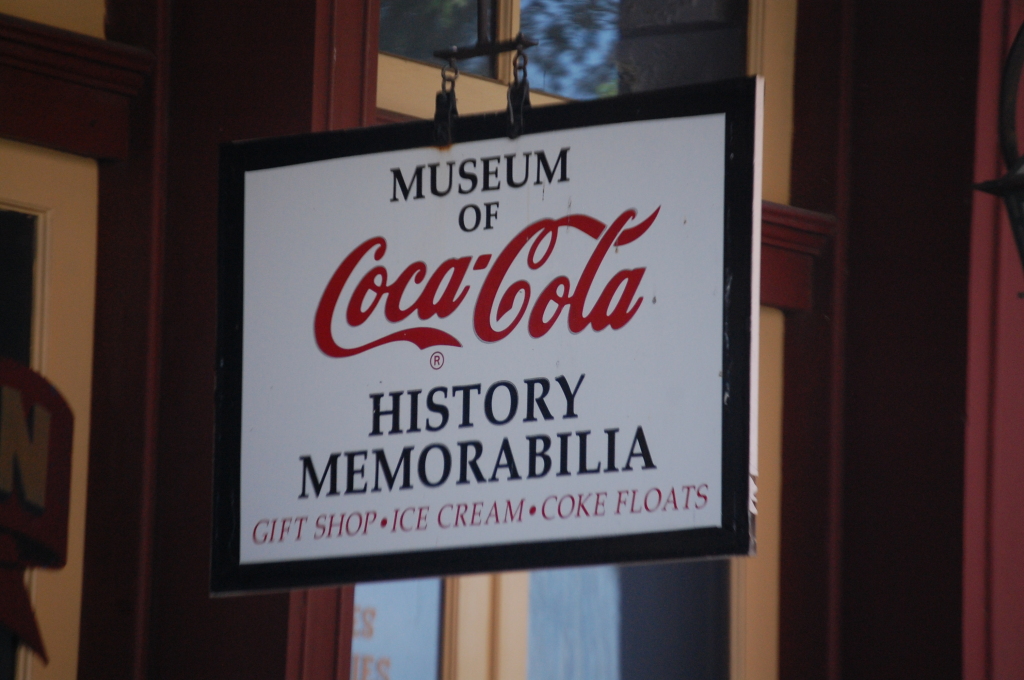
x=35, y=478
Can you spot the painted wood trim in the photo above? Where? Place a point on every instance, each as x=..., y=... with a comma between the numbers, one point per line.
x=810, y=611
x=466, y=642
x=510, y=625
x=486, y=626
x=864, y=551
x=508, y=27
x=114, y=639
x=68, y=91
x=754, y=580
x=385, y=117
x=345, y=64
x=792, y=242
x=320, y=634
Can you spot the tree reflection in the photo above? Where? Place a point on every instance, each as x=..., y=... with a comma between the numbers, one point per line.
x=415, y=28
x=576, y=54
x=575, y=57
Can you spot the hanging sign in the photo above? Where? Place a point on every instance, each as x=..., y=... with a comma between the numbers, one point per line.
x=36, y=428
x=498, y=354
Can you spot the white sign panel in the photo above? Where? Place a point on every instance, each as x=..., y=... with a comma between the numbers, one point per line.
x=497, y=354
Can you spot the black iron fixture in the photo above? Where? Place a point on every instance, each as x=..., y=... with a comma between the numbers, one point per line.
x=517, y=44
x=1011, y=186
x=445, y=111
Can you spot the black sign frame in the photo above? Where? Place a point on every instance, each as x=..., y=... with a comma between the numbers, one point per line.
x=738, y=100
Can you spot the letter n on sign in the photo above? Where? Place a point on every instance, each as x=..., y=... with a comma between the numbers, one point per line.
x=35, y=466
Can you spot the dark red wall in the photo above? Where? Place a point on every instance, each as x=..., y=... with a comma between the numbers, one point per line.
x=885, y=140
x=125, y=389
x=911, y=167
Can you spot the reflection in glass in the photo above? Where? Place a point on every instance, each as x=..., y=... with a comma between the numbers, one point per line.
x=598, y=48
x=675, y=621
x=396, y=631
x=576, y=54
x=646, y=622
x=416, y=28
x=574, y=624
x=682, y=42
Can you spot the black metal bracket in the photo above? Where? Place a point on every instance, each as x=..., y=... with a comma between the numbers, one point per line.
x=445, y=112
x=518, y=96
x=517, y=44
x=1010, y=187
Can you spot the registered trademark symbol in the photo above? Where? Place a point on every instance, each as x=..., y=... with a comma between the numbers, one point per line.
x=436, y=360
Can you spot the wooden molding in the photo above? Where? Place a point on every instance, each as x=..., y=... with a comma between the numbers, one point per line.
x=485, y=626
x=792, y=241
x=320, y=634
x=345, y=64
x=385, y=117
x=67, y=91
x=119, y=114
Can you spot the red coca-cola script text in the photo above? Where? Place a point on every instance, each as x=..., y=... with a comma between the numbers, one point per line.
x=445, y=291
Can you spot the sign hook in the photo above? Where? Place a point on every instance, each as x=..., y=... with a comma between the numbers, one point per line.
x=518, y=95
x=445, y=111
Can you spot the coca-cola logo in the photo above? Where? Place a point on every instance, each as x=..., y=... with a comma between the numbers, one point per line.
x=445, y=289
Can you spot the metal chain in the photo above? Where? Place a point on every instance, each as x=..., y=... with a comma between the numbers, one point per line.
x=449, y=74
x=519, y=62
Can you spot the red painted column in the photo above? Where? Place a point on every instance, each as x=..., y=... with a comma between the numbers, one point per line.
x=884, y=134
x=993, y=584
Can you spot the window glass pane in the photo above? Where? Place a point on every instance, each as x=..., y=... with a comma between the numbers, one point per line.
x=576, y=54
x=8, y=654
x=396, y=632
x=416, y=28
x=17, y=262
x=667, y=44
x=675, y=621
x=647, y=622
x=596, y=48
x=574, y=624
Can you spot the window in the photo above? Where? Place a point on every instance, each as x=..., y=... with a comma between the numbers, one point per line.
x=416, y=28
x=578, y=41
